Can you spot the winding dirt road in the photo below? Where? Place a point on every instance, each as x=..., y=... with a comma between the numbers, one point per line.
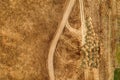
x=59, y=32
x=56, y=38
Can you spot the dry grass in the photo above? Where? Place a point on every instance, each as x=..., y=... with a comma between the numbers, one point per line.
x=26, y=30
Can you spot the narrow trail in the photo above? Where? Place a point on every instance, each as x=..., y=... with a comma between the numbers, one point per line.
x=64, y=22
x=115, y=10
x=109, y=48
x=83, y=30
x=56, y=38
x=74, y=31
x=83, y=26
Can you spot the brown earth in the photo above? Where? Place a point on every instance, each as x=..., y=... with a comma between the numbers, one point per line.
x=27, y=28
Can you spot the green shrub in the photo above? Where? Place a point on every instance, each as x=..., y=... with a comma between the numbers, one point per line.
x=117, y=74
x=118, y=54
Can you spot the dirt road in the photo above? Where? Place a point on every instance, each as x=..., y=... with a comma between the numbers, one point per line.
x=59, y=32
x=56, y=38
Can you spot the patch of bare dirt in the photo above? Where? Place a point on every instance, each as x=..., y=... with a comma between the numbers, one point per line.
x=27, y=28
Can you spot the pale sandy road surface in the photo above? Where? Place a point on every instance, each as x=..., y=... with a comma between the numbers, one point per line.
x=56, y=38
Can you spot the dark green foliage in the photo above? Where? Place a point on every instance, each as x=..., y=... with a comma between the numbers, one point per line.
x=117, y=74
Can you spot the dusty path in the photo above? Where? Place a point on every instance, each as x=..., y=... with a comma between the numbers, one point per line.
x=83, y=30
x=109, y=40
x=77, y=32
x=109, y=49
x=56, y=38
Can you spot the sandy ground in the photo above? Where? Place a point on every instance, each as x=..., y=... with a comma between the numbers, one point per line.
x=27, y=28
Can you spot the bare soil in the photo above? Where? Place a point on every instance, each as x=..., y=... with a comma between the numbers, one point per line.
x=27, y=28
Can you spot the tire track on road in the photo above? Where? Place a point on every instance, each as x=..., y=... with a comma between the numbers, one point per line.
x=56, y=38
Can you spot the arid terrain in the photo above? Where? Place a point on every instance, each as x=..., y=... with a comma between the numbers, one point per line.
x=28, y=28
